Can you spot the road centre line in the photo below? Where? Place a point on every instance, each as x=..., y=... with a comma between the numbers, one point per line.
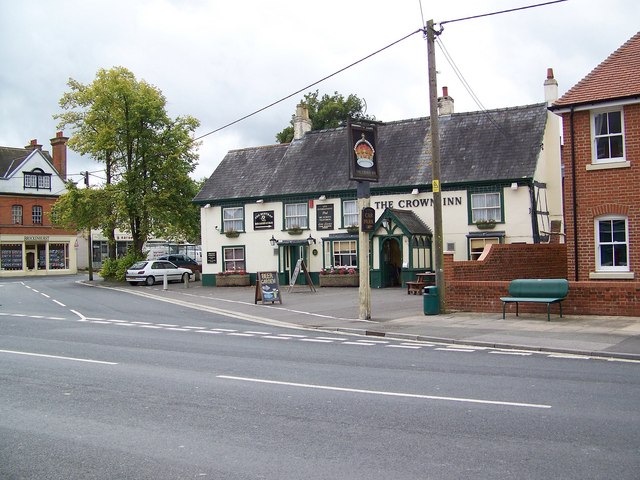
x=383, y=393
x=87, y=360
x=59, y=303
x=465, y=350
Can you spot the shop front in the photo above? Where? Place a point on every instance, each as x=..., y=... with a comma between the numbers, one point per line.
x=37, y=255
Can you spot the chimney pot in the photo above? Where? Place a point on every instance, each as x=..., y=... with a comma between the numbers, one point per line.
x=549, y=73
x=445, y=91
x=445, y=103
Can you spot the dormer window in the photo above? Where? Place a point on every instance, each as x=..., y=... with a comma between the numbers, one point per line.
x=37, y=179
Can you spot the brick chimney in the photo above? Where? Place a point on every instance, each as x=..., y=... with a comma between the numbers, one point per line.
x=550, y=87
x=59, y=154
x=301, y=121
x=445, y=103
x=33, y=145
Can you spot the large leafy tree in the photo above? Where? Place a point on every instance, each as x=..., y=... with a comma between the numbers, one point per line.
x=328, y=111
x=148, y=156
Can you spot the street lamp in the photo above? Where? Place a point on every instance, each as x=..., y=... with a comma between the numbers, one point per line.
x=273, y=241
x=311, y=240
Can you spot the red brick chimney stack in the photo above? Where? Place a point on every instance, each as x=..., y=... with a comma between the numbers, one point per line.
x=59, y=154
x=33, y=145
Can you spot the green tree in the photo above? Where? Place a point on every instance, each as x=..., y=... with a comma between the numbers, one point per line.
x=328, y=112
x=123, y=123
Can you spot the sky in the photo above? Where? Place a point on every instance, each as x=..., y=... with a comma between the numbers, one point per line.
x=220, y=60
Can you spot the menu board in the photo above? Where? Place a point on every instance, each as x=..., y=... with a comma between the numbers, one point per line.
x=268, y=288
x=324, y=217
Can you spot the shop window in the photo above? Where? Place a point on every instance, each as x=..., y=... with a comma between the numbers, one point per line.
x=233, y=259
x=58, y=256
x=349, y=213
x=16, y=214
x=11, y=256
x=486, y=207
x=233, y=219
x=608, y=137
x=296, y=215
x=612, y=244
x=345, y=253
x=476, y=246
x=36, y=215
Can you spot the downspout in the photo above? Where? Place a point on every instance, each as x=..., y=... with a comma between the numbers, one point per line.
x=574, y=192
x=534, y=212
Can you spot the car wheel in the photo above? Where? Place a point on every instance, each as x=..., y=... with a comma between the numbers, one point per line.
x=185, y=277
x=150, y=281
x=133, y=283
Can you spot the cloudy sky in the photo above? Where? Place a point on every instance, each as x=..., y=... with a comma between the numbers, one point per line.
x=221, y=60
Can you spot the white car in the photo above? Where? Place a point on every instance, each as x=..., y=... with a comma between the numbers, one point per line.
x=153, y=271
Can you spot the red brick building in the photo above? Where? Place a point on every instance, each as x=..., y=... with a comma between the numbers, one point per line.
x=601, y=161
x=31, y=180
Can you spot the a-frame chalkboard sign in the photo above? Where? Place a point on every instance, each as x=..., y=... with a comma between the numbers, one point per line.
x=268, y=288
x=301, y=267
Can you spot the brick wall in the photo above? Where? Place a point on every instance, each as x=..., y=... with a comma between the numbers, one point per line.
x=476, y=286
x=599, y=192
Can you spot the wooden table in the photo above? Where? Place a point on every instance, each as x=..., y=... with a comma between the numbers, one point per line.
x=423, y=280
x=428, y=278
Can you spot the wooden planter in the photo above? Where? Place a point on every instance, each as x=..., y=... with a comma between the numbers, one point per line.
x=232, y=280
x=338, y=280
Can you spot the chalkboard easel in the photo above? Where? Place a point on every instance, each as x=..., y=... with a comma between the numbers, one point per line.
x=268, y=288
x=300, y=266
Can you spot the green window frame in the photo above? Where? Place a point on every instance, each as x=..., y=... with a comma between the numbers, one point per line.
x=486, y=206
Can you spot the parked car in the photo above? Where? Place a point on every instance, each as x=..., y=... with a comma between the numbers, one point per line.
x=153, y=271
x=183, y=261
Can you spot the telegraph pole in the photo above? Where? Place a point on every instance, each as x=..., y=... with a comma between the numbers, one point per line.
x=435, y=166
x=364, y=291
x=89, y=240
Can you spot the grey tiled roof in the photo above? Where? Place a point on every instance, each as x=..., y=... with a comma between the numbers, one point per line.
x=501, y=144
x=11, y=158
x=411, y=221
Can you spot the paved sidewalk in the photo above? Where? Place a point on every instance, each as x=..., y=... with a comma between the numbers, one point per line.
x=398, y=315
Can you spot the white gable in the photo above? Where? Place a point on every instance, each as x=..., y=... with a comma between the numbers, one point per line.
x=14, y=183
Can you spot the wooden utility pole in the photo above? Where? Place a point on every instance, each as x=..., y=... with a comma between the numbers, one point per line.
x=435, y=167
x=364, y=200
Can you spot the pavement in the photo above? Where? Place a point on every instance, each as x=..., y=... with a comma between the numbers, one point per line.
x=395, y=314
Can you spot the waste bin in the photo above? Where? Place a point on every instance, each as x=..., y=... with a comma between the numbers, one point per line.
x=431, y=300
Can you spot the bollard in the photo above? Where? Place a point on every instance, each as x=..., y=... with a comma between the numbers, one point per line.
x=186, y=283
x=165, y=282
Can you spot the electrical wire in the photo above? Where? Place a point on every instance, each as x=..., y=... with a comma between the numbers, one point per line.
x=501, y=11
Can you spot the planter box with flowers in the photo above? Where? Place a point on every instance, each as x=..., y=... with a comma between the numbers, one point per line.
x=485, y=224
x=233, y=278
x=294, y=231
x=339, y=277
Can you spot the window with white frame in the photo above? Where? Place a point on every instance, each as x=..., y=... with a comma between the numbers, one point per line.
x=608, y=137
x=37, y=179
x=233, y=219
x=612, y=248
x=349, y=213
x=36, y=215
x=16, y=214
x=233, y=258
x=295, y=215
x=345, y=253
x=485, y=207
x=477, y=246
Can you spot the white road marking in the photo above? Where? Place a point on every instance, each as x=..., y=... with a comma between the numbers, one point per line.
x=238, y=334
x=45, y=295
x=465, y=350
x=194, y=328
x=523, y=354
x=390, y=394
x=292, y=335
x=87, y=360
x=362, y=344
x=223, y=330
x=59, y=303
x=259, y=333
x=207, y=331
x=316, y=340
x=167, y=325
x=414, y=347
x=141, y=323
x=274, y=337
x=335, y=339
x=150, y=326
x=177, y=329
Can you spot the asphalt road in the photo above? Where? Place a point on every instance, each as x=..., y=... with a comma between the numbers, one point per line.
x=98, y=384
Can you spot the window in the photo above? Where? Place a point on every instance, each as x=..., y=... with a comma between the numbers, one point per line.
x=612, y=248
x=485, y=207
x=476, y=246
x=349, y=213
x=11, y=256
x=295, y=215
x=36, y=215
x=345, y=253
x=58, y=256
x=37, y=179
x=16, y=214
x=608, y=137
x=233, y=219
x=233, y=258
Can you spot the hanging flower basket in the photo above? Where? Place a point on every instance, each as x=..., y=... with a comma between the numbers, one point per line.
x=353, y=229
x=295, y=231
x=232, y=233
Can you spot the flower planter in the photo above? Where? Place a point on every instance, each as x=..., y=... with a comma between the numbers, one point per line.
x=353, y=230
x=485, y=225
x=232, y=280
x=338, y=280
x=232, y=234
x=294, y=231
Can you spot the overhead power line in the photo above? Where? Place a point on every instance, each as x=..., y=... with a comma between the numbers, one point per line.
x=500, y=12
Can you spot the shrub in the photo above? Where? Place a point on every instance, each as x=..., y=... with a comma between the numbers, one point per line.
x=117, y=269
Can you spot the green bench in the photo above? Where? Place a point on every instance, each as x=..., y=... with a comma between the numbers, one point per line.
x=545, y=290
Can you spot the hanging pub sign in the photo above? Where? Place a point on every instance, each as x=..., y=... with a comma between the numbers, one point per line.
x=363, y=158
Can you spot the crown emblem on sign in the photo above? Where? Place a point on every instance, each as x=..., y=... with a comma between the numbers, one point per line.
x=364, y=152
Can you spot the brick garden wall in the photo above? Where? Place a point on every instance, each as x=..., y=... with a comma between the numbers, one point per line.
x=476, y=286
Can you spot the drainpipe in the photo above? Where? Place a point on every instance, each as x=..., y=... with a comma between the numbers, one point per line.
x=574, y=192
x=535, y=231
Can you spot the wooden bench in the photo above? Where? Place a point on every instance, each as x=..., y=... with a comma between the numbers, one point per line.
x=415, y=288
x=545, y=290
